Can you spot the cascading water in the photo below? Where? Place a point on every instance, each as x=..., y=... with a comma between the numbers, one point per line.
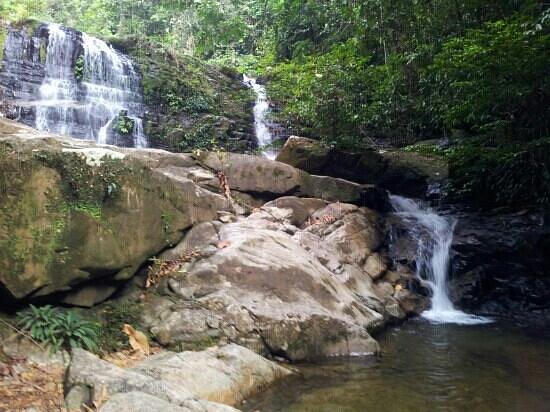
x=86, y=108
x=433, y=234
x=261, y=109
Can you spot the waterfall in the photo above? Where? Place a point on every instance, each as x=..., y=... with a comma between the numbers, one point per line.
x=433, y=235
x=261, y=109
x=88, y=107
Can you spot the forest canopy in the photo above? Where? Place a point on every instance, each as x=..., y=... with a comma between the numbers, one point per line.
x=367, y=73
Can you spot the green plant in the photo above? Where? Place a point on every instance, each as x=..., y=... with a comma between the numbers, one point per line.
x=49, y=325
x=79, y=68
x=124, y=125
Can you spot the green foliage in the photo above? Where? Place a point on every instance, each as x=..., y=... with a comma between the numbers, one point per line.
x=85, y=186
x=50, y=326
x=3, y=35
x=124, y=125
x=79, y=68
x=510, y=175
x=494, y=80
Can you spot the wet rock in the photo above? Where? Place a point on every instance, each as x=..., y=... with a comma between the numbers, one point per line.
x=500, y=265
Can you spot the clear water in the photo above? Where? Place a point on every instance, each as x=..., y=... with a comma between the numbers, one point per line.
x=433, y=234
x=87, y=109
x=261, y=110
x=426, y=367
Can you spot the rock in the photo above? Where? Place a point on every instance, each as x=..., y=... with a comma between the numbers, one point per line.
x=302, y=208
x=88, y=296
x=268, y=180
x=142, y=402
x=77, y=397
x=200, y=237
x=224, y=375
x=279, y=289
x=500, y=265
x=176, y=381
x=400, y=172
x=305, y=154
x=80, y=234
x=138, y=402
x=83, y=235
x=375, y=266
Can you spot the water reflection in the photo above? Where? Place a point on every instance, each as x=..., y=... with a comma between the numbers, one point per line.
x=426, y=367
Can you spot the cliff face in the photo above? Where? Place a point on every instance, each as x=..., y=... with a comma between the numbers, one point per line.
x=22, y=70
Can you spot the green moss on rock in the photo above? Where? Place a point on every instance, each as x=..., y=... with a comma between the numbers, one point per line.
x=191, y=104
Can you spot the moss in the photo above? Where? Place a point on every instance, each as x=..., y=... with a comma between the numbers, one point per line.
x=3, y=36
x=192, y=105
x=85, y=187
x=200, y=344
x=29, y=24
x=124, y=125
x=112, y=318
x=28, y=239
x=42, y=53
x=79, y=68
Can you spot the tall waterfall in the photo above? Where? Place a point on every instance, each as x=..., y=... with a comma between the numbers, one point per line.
x=433, y=234
x=87, y=107
x=261, y=109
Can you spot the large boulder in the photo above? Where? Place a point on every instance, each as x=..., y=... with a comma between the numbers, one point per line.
x=208, y=381
x=268, y=180
x=397, y=171
x=287, y=281
x=72, y=213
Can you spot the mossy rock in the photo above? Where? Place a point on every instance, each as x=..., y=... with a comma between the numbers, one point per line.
x=189, y=102
x=65, y=222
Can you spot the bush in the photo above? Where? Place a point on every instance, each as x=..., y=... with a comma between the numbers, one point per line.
x=50, y=326
x=507, y=175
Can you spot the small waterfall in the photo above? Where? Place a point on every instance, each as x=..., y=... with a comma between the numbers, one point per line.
x=261, y=109
x=88, y=107
x=433, y=234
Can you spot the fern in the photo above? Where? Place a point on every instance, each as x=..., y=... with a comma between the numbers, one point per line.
x=58, y=329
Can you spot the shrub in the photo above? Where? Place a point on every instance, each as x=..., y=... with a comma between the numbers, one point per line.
x=513, y=175
x=50, y=326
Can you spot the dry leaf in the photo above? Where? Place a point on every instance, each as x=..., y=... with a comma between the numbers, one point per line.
x=138, y=340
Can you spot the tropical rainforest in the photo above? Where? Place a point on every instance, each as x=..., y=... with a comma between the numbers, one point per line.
x=195, y=194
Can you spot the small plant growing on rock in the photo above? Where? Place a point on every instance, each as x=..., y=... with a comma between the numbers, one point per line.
x=79, y=68
x=50, y=326
x=124, y=125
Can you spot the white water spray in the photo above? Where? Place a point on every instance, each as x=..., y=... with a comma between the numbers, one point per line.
x=87, y=108
x=261, y=108
x=434, y=235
